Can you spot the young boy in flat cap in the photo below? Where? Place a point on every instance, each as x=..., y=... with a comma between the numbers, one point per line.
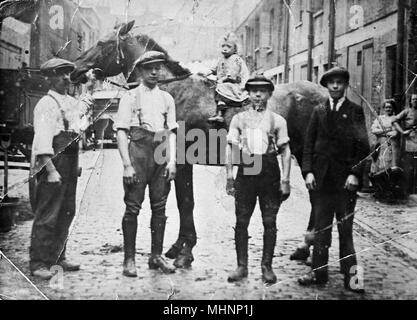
x=335, y=144
x=146, y=113
x=258, y=133
x=58, y=120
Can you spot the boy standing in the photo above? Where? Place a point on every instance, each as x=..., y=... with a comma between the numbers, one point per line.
x=336, y=143
x=258, y=133
x=145, y=113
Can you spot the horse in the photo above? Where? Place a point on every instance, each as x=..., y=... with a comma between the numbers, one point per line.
x=194, y=100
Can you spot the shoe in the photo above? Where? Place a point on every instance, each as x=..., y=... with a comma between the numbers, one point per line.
x=268, y=275
x=311, y=279
x=239, y=274
x=184, y=258
x=157, y=262
x=173, y=252
x=68, y=266
x=129, y=268
x=42, y=273
x=301, y=254
x=346, y=281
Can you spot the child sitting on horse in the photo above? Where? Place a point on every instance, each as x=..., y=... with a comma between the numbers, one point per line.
x=232, y=74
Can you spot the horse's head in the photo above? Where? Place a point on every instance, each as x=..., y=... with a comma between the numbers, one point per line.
x=106, y=55
x=118, y=51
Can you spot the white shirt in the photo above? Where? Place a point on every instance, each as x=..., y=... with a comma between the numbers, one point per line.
x=339, y=103
x=152, y=105
x=250, y=130
x=48, y=121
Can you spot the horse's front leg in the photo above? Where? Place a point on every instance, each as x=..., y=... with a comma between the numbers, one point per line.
x=187, y=238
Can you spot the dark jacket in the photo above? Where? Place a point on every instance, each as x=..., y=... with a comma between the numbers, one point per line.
x=334, y=149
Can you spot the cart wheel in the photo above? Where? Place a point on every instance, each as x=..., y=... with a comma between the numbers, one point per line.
x=33, y=184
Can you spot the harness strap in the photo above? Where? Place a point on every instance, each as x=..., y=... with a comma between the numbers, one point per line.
x=64, y=119
x=139, y=109
x=271, y=135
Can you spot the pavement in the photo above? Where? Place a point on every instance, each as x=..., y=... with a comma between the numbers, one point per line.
x=384, y=235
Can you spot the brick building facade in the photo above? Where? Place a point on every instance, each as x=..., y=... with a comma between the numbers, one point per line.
x=365, y=43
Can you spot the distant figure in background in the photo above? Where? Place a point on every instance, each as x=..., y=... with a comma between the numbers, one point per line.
x=232, y=74
x=385, y=133
x=408, y=118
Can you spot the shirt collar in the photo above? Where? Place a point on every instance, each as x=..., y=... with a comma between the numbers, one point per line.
x=259, y=109
x=147, y=89
x=56, y=94
x=339, y=102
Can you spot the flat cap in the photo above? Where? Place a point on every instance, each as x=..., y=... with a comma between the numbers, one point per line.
x=150, y=57
x=336, y=71
x=259, y=81
x=49, y=67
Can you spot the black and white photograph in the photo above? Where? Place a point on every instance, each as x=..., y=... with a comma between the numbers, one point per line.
x=232, y=151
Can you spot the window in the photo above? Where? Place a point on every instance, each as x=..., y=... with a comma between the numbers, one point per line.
x=317, y=5
x=257, y=32
x=248, y=40
x=301, y=11
x=316, y=75
x=241, y=41
x=390, y=67
x=271, y=26
x=79, y=42
x=359, y=58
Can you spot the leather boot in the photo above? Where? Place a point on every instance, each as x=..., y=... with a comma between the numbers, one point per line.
x=268, y=275
x=241, y=242
x=158, y=232
x=184, y=258
x=129, y=227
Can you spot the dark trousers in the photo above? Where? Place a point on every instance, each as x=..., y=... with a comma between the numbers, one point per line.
x=55, y=206
x=327, y=205
x=149, y=173
x=266, y=187
x=410, y=168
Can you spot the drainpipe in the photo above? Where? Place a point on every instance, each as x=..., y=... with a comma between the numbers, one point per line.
x=400, y=57
x=286, y=46
x=310, y=41
x=332, y=31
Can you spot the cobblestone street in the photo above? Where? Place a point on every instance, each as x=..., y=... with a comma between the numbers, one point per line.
x=385, y=240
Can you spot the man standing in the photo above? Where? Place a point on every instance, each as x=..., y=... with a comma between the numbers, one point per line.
x=259, y=134
x=409, y=119
x=58, y=120
x=336, y=142
x=145, y=113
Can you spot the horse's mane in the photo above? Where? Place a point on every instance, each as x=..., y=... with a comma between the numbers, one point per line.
x=150, y=44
